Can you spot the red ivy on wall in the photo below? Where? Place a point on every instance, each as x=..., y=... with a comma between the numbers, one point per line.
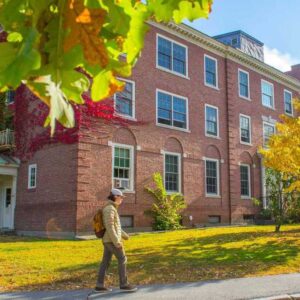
x=30, y=115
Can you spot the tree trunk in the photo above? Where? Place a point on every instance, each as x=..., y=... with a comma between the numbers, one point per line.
x=277, y=228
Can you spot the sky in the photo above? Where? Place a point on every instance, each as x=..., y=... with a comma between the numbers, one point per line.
x=276, y=23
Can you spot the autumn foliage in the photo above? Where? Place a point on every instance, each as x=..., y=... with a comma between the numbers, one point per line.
x=48, y=41
x=283, y=152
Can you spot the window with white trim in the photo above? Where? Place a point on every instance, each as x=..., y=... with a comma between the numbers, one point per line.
x=172, y=171
x=288, y=106
x=32, y=175
x=125, y=100
x=212, y=177
x=267, y=94
x=244, y=84
x=245, y=129
x=211, y=71
x=171, y=56
x=171, y=110
x=245, y=181
x=211, y=120
x=123, y=167
x=268, y=131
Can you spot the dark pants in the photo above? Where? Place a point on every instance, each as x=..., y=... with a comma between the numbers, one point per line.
x=109, y=250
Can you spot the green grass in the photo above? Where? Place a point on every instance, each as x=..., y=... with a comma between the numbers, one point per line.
x=186, y=255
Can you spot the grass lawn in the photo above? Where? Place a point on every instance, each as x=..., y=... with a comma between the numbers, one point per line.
x=186, y=255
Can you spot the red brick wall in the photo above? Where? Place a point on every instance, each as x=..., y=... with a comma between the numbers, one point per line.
x=51, y=206
x=295, y=72
x=194, y=144
x=73, y=181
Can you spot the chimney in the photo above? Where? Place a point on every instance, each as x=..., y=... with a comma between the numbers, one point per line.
x=295, y=72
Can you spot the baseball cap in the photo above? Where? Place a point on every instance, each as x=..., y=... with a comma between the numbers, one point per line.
x=117, y=192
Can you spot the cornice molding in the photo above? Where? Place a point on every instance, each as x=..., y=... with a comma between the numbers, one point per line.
x=196, y=37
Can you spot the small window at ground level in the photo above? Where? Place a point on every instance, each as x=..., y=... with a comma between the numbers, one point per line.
x=248, y=218
x=214, y=219
x=126, y=221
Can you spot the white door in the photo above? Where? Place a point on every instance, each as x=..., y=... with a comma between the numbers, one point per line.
x=7, y=210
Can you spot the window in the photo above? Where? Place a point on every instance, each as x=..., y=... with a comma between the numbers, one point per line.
x=268, y=131
x=212, y=177
x=8, y=197
x=249, y=219
x=211, y=72
x=171, y=110
x=267, y=94
x=245, y=181
x=172, y=172
x=214, y=219
x=245, y=129
x=125, y=100
x=126, y=221
x=32, y=175
x=288, y=107
x=244, y=84
x=123, y=167
x=211, y=121
x=10, y=96
x=234, y=42
x=171, y=56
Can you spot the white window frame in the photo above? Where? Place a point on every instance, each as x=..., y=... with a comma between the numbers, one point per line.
x=249, y=181
x=133, y=101
x=289, y=92
x=218, y=131
x=218, y=178
x=217, y=75
x=269, y=124
x=30, y=168
x=179, y=170
x=250, y=131
x=131, y=173
x=187, y=111
x=248, y=76
x=270, y=83
x=166, y=69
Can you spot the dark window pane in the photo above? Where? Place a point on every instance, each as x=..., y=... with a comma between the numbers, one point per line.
x=164, y=53
x=171, y=173
x=210, y=71
x=211, y=121
x=124, y=100
x=179, y=59
x=245, y=183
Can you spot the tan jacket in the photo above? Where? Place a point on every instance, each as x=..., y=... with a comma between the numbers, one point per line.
x=112, y=224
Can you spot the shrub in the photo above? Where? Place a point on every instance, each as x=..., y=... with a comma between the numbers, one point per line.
x=166, y=207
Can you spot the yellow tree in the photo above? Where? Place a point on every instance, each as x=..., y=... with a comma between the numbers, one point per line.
x=282, y=160
x=283, y=152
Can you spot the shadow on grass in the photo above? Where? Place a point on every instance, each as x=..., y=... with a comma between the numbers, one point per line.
x=221, y=256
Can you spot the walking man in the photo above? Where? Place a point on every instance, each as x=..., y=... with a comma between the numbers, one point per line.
x=112, y=242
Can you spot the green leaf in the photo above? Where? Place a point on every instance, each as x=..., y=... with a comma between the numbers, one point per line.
x=20, y=59
x=14, y=37
x=60, y=108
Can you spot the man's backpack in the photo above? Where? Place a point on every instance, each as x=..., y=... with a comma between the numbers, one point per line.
x=98, y=225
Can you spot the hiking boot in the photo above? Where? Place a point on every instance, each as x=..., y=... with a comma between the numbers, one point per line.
x=102, y=289
x=128, y=288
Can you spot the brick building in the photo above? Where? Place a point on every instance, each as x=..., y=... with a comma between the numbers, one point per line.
x=206, y=105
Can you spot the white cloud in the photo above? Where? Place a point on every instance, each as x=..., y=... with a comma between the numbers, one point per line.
x=278, y=60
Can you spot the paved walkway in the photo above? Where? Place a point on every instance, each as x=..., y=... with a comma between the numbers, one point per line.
x=285, y=286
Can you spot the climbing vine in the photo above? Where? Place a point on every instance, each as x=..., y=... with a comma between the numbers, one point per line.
x=31, y=135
